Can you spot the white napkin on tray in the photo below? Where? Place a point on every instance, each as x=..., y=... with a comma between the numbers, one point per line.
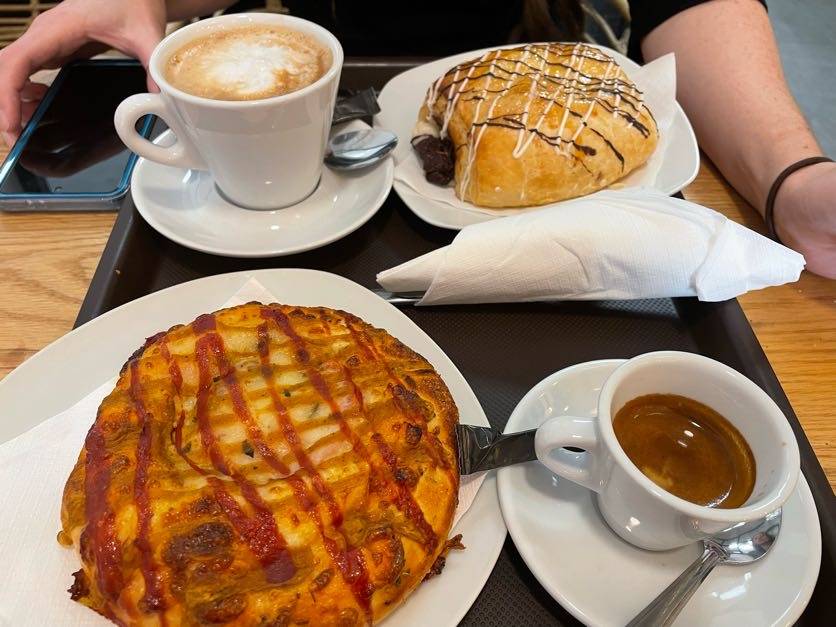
x=657, y=80
x=33, y=469
x=613, y=245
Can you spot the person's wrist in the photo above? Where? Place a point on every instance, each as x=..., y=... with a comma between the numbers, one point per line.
x=790, y=201
x=778, y=185
x=774, y=152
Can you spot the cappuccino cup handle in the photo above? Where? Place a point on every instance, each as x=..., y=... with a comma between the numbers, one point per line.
x=182, y=154
x=563, y=431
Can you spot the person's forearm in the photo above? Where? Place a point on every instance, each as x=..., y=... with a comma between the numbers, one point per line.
x=186, y=9
x=730, y=82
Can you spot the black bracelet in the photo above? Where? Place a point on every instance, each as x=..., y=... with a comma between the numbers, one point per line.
x=769, y=213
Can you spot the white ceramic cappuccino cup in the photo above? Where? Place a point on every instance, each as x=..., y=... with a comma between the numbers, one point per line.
x=262, y=154
x=635, y=507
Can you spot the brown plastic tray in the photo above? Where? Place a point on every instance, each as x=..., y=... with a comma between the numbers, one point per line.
x=502, y=350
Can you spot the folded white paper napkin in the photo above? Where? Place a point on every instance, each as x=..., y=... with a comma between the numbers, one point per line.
x=657, y=80
x=33, y=469
x=613, y=245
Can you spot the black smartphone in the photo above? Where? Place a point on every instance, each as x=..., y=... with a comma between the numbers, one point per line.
x=68, y=156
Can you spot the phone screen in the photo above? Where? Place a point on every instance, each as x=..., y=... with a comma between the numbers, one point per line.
x=73, y=147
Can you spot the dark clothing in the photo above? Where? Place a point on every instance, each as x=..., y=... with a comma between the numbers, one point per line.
x=437, y=28
x=429, y=28
x=648, y=14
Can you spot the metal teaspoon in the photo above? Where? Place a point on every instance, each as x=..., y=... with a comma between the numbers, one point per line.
x=742, y=544
x=359, y=149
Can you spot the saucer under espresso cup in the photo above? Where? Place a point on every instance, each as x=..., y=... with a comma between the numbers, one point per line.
x=635, y=507
x=604, y=581
x=263, y=154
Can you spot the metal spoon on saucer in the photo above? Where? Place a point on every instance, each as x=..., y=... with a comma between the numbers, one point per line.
x=743, y=544
x=359, y=149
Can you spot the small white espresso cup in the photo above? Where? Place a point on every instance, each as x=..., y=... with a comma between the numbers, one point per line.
x=637, y=509
x=262, y=154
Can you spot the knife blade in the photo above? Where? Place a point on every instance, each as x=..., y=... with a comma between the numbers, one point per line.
x=399, y=298
x=485, y=448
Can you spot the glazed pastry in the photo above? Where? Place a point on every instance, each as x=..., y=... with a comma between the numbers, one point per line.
x=264, y=465
x=534, y=125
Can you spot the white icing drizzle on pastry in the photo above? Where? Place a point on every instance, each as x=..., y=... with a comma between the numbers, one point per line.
x=451, y=103
x=585, y=119
x=567, y=106
x=617, y=89
x=474, y=143
x=519, y=148
x=522, y=146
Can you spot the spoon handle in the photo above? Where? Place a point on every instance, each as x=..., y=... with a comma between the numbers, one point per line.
x=666, y=607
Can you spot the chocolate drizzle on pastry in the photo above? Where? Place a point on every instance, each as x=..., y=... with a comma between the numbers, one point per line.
x=544, y=86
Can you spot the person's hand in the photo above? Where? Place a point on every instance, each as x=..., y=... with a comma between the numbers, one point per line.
x=74, y=29
x=805, y=216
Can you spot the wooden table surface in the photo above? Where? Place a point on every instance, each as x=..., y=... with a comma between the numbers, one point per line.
x=48, y=260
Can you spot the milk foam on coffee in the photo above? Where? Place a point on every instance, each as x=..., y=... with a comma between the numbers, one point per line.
x=247, y=63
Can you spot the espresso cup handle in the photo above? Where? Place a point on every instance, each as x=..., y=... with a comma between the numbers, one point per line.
x=557, y=433
x=181, y=154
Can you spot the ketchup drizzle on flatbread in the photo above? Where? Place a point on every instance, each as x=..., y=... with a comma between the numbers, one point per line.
x=289, y=432
x=153, y=598
x=362, y=340
x=358, y=581
x=101, y=525
x=260, y=533
x=351, y=568
x=403, y=496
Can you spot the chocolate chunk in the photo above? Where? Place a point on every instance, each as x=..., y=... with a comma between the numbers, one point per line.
x=437, y=157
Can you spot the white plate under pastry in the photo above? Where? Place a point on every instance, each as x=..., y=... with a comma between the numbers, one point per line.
x=71, y=367
x=403, y=95
x=605, y=581
x=185, y=206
